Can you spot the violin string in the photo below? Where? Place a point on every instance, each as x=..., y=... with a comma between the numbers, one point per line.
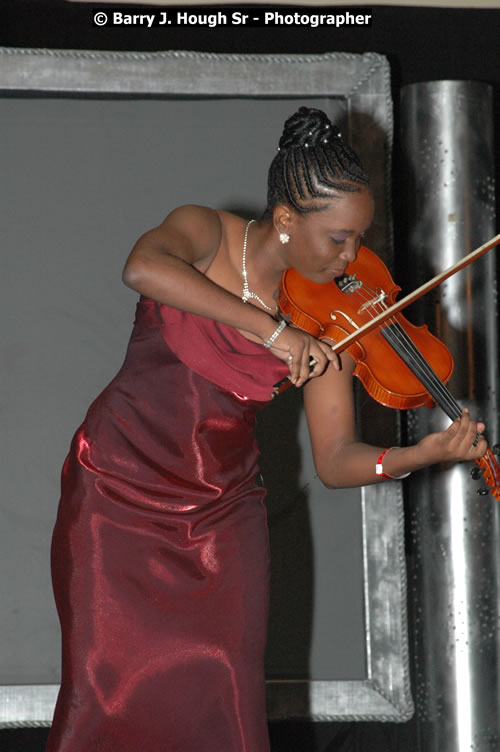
x=411, y=355
x=407, y=350
x=424, y=372
x=404, y=346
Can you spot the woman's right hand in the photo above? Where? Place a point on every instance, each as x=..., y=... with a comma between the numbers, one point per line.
x=297, y=348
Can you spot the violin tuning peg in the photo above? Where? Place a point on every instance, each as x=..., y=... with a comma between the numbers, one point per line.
x=495, y=449
x=475, y=473
x=482, y=492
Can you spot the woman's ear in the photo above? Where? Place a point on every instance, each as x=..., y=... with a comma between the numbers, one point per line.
x=282, y=218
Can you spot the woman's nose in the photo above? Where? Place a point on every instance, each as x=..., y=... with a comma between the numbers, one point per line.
x=350, y=250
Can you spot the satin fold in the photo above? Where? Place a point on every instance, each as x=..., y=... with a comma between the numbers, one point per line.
x=160, y=551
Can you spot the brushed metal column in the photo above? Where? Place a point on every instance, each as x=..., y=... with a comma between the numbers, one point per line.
x=454, y=534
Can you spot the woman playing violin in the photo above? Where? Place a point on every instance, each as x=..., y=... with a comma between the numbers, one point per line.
x=160, y=552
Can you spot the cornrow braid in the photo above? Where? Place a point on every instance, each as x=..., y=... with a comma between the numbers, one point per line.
x=312, y=163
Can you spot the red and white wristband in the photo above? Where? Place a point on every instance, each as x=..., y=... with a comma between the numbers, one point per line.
x=379, y=468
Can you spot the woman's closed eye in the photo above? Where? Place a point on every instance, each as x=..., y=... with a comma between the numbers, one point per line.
x=341, y=239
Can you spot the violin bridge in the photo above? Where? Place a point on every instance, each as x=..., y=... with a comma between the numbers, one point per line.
x=380, y=298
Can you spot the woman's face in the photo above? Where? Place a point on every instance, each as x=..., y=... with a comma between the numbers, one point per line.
x=322, y=243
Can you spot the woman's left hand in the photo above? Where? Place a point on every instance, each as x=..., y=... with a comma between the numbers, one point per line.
x=461, y=441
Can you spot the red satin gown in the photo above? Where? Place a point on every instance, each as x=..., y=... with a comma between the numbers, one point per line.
x=160, y=549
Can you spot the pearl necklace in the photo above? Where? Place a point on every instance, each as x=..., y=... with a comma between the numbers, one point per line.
x=247, y=294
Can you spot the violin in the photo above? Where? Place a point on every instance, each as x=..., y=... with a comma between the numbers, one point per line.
x=401, y=365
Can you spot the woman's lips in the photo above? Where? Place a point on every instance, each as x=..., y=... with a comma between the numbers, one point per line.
x=333, y=273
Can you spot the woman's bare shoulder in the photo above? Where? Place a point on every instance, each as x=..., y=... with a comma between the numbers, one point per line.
x=205, y=228
x=190, y=232
x=201, y=226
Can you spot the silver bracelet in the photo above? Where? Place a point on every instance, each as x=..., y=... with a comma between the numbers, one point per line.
x=276, y=333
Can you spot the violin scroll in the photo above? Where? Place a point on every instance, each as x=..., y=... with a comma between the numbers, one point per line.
x=488, y=466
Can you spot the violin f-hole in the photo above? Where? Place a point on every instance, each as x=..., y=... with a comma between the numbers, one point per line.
x=336, y=312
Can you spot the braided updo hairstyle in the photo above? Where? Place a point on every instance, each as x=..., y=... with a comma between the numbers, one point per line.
x=312, y=163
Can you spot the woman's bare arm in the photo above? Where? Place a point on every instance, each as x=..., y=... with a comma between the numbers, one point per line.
x=342, y=461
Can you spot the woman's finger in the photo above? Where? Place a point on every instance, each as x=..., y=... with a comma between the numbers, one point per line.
x=464, y=438
x=461, y=428
x=469, y=431
x=318, y=361
x=327, y=346
x=303, y=366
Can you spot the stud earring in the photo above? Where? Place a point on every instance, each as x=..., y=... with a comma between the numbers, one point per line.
x=284, y=237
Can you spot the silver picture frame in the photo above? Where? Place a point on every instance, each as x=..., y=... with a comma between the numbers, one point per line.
x=363, y=83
